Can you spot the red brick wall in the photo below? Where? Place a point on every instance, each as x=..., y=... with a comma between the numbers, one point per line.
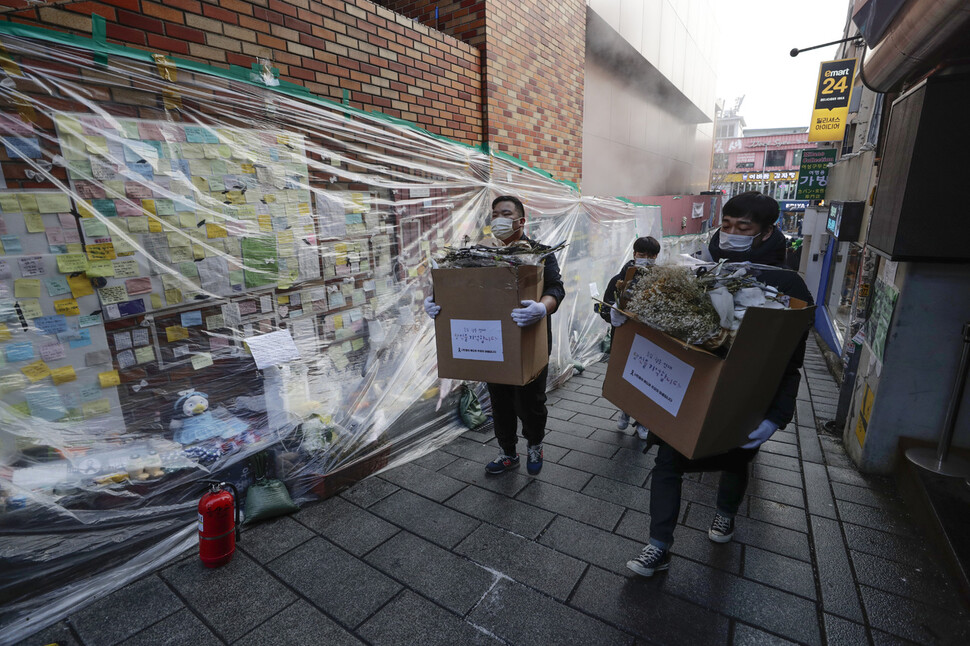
x=534, y=74
x=384, y=60
x=463, y=19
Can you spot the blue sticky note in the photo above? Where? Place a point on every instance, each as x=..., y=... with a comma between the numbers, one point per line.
x=57, y=248
x=51, y=324
x=181, y=166
x=19, y=351
x=23, y=147
x=183, y=203
x=82, y=339
x=132, y=307
x=45, y=402
x=56, y=286
x=194, y=135
x=105, y=207
x=11, y=243
x=191, y=318
x=142, y=168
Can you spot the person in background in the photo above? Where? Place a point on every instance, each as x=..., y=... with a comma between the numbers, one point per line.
x=645, y=252
x=528, y=402
x=747, y=233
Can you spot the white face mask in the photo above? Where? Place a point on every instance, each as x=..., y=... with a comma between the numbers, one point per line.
x=732, y=242
x=502, y=227
x=643, y=262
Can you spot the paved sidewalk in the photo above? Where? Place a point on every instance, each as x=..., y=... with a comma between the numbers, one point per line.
x=435, y=552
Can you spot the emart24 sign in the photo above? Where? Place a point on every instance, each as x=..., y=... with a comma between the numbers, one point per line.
x=832, y=100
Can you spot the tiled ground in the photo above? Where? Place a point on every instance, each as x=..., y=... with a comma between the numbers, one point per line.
x=435, y=552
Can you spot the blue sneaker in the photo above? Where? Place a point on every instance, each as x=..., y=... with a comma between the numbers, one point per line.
x=502, y=463
x=534, y=463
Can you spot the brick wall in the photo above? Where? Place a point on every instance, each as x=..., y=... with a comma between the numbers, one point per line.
x=463, y=19
x=382, y=59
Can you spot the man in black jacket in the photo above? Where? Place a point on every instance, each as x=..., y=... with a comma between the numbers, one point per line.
x=747, y=233
x=528, y=402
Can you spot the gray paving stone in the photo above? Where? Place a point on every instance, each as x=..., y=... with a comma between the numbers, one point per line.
x=568, y=397
x=496, y=509
x=632, y=475
x=749, y=531
x=577, y=444
x=786, y=436
x=474, y=451
x=423, y=482
x=577, y=506
x=594, y=421
x=591, y=390
x=592, y=545
x=449, y=580
x=779, y=571
x=638, y=606
x=879, y=638
x=59, y=633
x=818, y=491
x=694, y=544
x=780, y=448
x=356, y=530
x=775, y=513
x=873, y=497
x=123, y=613
x=564, y=476
x=779, y=461
x=553, y=453
x=600, y=412
x=569, y=427
x=913, y=620
x=369, y=490
x=907, y=549
x=293, y=625
x=635, y=525
x=181, y=628
x=853, y=477
x=834, y=571
x=745, y=635
x=509, y=483
x=347, y=588
x=265, y=541
x=774, y=474
x=834, y=453
x=225, y=597
x=808, y=444
x=409, y=619
x=753, y=603
x=618, y=492
x=843, y=631
x=893, y=521
x=555, y=412
x=923, y=584
x=434, y=461
x=792, y=496
x=510, y=606
x=634, y=457
x=804, y=413
x=625, y=439
x=425, y=518
x=522, y=560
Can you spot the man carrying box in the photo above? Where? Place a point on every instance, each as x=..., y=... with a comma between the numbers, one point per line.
x=528, y=402
x=747, y=233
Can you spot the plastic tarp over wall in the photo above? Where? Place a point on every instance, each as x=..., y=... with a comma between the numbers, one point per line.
x=198, y=265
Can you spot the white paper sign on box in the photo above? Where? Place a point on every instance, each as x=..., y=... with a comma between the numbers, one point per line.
x=272, y=349
x=657, y=374
x=477, y=340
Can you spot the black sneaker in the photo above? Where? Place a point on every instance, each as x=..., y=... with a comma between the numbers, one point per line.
x=502, y=463
x=722, y=529
x=652, y=559
x=534, y=463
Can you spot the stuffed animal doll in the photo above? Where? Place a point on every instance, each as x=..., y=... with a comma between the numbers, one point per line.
x=194, y=422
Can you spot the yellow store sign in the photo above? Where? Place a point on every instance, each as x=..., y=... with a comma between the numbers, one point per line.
x=832, y=100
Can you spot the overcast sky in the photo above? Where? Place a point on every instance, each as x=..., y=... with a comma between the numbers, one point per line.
x=756, y=36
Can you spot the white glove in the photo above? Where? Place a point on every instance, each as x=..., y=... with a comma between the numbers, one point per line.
x=617, y=318
x=431, y=308
x=531, y=312
x=761, y=434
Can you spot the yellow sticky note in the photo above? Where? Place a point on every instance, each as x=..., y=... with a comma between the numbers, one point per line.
x=154, y=225
x=85, y=210
x=35, y=223
x=80, y=285
x=265, y=223
x=53, y=203
x=148, y=206
x=156, y=302
x=36, y=371
x=75, y=247
x=63, y=375
x=4, y=332
x=283, y=299
x=67, y=307
x=28, y=203
x=30, y=308
x=96, y=408
x=101, y=251
x=9, y=203
x=215, y=231
x=69, y=263
x=26, y=288
x=101, y=269
x=109, y=379
x=176, y=333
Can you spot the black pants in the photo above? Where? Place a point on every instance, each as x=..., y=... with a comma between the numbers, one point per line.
x=668, y=475
x=513, y=403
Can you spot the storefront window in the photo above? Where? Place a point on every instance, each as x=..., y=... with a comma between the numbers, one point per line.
x=775, y=158
x=843, y=280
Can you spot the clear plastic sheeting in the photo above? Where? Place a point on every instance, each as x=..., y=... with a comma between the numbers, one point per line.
x=198, y=266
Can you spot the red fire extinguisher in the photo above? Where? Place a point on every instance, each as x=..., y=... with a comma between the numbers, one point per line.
x=218, y=524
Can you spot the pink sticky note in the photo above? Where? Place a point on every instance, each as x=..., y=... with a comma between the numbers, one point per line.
x=138, y=285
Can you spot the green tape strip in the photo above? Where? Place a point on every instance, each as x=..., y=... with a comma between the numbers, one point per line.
x=99, y=34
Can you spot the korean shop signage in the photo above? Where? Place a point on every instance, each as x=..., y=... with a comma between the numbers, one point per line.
x=832, y=100
x=813, y=174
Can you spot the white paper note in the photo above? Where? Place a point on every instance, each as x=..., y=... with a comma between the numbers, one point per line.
x=273, y=348
x=477, y=340
x=657, y=374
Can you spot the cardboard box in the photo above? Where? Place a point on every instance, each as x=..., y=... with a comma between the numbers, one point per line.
x=477, y=339
x=698, y=403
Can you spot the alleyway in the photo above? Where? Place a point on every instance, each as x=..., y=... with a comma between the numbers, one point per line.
x=434, y=552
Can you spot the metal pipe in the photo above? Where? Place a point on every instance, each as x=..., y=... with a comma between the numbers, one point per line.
x=913, y=43
x=949, y=423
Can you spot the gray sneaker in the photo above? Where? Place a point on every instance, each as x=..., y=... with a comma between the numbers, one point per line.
x=622, y=421
x=722, y=529
x=652, y=559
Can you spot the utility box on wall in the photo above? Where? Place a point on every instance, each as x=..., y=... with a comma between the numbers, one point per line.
x=919, y=213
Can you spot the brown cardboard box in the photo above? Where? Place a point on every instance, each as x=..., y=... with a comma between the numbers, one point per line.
x=476, y=337
x=698, y=403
